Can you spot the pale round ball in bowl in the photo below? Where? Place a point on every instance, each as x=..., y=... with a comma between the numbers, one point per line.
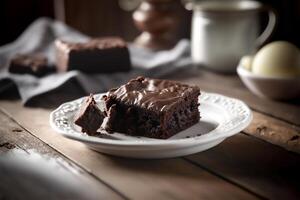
x=274, y=72
x=277, y=59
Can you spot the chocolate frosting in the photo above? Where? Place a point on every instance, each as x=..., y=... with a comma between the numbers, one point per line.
x=97, y=43
x=153, y=94
x=33, y=61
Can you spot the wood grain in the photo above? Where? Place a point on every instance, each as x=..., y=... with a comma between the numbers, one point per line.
x=283, y=130
x=137, y=179
x=15, y=140
x=275, y=131
x=261, y=167
x=241, y=166
x=232, y=86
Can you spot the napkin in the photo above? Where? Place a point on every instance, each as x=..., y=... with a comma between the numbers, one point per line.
x=39, y=37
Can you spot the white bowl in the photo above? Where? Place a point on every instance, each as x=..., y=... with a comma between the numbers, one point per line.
x=270, y=87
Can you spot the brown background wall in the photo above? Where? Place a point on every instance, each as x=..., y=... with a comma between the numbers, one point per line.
x=103, y=17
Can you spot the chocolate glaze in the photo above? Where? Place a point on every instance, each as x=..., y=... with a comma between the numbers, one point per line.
x=97, y=43
x=99, y=55
x=34, y=61
x=152, y=94
x=34, y=64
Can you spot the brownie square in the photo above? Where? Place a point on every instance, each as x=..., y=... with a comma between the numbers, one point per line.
x=89, y=117
x=100, y=55
x=34, y=64
x=151, y=108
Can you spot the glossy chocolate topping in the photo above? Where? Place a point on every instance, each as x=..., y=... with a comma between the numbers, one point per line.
x=97, y=43
x=34, y=61
x=153, y=94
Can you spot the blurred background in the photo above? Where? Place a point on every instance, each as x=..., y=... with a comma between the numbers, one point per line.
x=114, y=17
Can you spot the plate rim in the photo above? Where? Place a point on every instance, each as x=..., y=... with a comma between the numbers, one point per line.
x=202, y=139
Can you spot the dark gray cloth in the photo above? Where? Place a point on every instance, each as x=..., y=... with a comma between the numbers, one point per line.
x=39, y=37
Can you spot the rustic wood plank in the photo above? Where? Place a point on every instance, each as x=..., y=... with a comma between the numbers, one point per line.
x=14, y=140
x=137, y=179
x=232, y=86
x=252, y=163
x=284, y=132
x=275, y=131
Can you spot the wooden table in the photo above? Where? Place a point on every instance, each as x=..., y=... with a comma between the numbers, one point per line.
x=261, y=162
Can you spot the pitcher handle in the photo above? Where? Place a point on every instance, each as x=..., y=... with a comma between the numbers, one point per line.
x=265, y=35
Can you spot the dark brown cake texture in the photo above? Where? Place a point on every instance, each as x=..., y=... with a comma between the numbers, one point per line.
x=89, y=117
x=151, y=108
x=99, y=55
x=34, y=64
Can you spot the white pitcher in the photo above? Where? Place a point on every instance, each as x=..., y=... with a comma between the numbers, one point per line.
x=224, y=31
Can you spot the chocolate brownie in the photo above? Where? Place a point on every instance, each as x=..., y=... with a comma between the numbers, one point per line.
x=35, y=64
x=151, y=108
x=100, y=55
x=89, y=117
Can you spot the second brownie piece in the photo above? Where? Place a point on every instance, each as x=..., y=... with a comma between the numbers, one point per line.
x=152, y=108
x=36, y=65
x=89, y=117
x=100, y=55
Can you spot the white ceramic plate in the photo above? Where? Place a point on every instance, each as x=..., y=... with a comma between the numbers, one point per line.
x=221, y=117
